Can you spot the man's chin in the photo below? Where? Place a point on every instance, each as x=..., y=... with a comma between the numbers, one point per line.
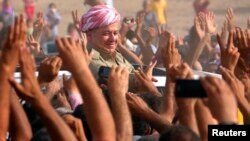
x=110, y=49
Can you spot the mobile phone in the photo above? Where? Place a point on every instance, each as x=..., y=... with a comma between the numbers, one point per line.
x=189, y=89
x=50, y=49
x=104, y=72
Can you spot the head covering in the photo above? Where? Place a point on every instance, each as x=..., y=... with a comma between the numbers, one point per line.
x=98, y=16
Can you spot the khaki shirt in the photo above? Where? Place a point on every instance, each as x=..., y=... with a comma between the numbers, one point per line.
x=101, y=58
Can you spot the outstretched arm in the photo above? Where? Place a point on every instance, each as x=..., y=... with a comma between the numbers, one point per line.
x=20, y=129
x=98, y=114
x=15, y=40
x=30, y=91
x=117, y=87
x=141, y=110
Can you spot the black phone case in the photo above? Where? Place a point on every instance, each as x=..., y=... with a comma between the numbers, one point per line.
x=189, y=89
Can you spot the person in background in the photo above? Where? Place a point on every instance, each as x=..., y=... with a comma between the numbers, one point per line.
x=29, y=6
x=53, y=19
x=160, y=8
x=201, y=6
x=7, y=16
x=150, y=18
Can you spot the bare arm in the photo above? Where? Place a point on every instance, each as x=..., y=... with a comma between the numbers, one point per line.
x=76, y=126
x=100, y=121
x=9, y=59
x=140, y=109
x=238, y=90
x=130, y=54
x=204, y=118
x=5, y=103
x=38, y=26
x=30, y=91
x=20, y=128
x=204, y=35
x=221, y=101
x=146, y=50
x=186, y=114
x=185, y=105
x=117, y=87
x=170, y=57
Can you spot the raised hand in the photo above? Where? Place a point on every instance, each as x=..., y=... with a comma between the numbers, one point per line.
x=230, y=19
x=118, y=81
x=117, y=88
x=38, y=26
x=49, y=68
x=241, y=39
x=139, y=23
x=149, y=69
x=162, y=41
x=83, y=43
x=236, y=86
x=224, y=32
x=29, y=88
x=34, y=45
x=76, y=20
x=170, y=54
x=145, y=84
x=181, y=71
x=141, y=110
x=162, y=44
x=151, y=31
x=244, y=78
x=199, y=24
x=136, y=105
x=76, y=61
x=210, y=22
x=62, y=100
x=221, y=100
x=68, y=48
x=75, y=125
x=229, y=55
x=15, y=41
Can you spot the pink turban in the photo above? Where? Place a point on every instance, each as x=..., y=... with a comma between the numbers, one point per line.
x=98, y=16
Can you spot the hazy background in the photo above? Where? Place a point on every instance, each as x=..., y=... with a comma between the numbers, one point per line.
x=180, y=12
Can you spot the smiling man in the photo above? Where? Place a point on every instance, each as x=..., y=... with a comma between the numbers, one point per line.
x=101, y=24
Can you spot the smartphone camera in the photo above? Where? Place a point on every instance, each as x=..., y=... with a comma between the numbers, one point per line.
x=103, y=74
x=189, y=89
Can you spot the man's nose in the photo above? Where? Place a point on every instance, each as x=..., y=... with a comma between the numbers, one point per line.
x=112, y=37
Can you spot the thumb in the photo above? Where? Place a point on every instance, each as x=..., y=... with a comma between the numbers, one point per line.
x=154, y=79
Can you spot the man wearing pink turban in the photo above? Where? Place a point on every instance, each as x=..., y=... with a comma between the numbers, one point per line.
x=101, y=25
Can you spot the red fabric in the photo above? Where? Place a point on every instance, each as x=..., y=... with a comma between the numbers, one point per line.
x=30, y=11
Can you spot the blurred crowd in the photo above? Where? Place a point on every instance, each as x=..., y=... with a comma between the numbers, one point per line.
x=110, y=92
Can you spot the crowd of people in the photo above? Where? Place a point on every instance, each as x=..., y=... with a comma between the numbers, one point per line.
x=106, y=97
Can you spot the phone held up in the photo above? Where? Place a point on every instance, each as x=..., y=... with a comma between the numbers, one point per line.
x=103, y=74
x=189, y=89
